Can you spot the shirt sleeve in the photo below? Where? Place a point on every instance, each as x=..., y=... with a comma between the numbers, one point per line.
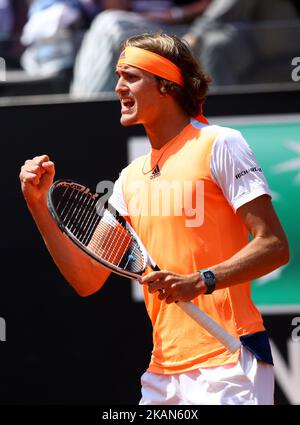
x=235, y=169
x=117, y=199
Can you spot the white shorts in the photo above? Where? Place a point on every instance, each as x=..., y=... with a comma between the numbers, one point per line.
x=248, y=382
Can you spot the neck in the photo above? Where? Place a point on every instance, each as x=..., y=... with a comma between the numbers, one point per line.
x=165, y=127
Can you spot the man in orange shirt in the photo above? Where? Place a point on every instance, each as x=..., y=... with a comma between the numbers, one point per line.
x=204, y=252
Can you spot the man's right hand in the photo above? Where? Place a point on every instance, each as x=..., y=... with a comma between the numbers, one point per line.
x=36, y=177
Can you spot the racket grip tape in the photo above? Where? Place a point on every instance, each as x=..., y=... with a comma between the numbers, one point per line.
x=231, y=343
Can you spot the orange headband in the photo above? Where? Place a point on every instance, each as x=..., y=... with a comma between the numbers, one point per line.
x=151, y=62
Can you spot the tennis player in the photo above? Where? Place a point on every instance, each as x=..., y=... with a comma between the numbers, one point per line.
x=204, y=252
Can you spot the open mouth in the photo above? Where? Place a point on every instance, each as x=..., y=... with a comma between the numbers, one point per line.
x=127, y=104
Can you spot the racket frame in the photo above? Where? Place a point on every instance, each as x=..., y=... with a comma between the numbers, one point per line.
x=231, y=343
x=149, y=262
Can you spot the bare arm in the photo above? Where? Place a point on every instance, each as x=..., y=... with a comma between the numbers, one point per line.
x=267, y=251
x=175, y=15
x=83, y=273
x=116, y=4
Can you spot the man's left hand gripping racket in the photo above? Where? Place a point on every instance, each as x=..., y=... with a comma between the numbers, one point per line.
x=107, y=237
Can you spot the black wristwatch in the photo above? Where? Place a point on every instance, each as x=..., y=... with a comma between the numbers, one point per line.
x=209, y=279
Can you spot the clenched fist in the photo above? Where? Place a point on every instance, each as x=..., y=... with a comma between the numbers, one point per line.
x=36, y=177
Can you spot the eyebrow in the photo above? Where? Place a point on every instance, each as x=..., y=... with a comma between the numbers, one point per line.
x=124, y=71
x=118, y=72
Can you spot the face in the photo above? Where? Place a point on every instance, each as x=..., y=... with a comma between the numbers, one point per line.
x=139, y=96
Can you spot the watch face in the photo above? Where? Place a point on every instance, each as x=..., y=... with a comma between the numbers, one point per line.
x=209, y=275
x=209, y=280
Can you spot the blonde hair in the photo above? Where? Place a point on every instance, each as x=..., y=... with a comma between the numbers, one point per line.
x=190, y=97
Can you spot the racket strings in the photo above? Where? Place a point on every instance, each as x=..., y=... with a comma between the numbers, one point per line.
x=98, y=229
x=77, y=212
x=71, y=220
x=115, y=244
x=69, y=207
x=92, y=221
x=75, y=206
x=134, y=254
x=88, y=218
x=80, y=213
x=110, y=243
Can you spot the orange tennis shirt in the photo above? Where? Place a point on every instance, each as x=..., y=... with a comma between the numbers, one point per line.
x=186, y=223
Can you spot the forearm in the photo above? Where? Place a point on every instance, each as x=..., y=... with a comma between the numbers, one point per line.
x=219, y=12
x=259, y=257
x=83, y=273
x=116, y=4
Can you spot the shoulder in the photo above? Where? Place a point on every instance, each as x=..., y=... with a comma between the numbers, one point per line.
x=219, y=135
x=228, y=140
x=225, y=134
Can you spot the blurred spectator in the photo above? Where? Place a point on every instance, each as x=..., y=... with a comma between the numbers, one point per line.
x=53, y=33
x=94, y=66
x=6, y=18
x=238, y=41
x=246, y=40
x=12, y=19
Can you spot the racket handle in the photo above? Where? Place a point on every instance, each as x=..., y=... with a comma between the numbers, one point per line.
x=231, y=343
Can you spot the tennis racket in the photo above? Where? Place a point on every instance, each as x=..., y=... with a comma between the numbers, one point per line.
x=106, y=236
